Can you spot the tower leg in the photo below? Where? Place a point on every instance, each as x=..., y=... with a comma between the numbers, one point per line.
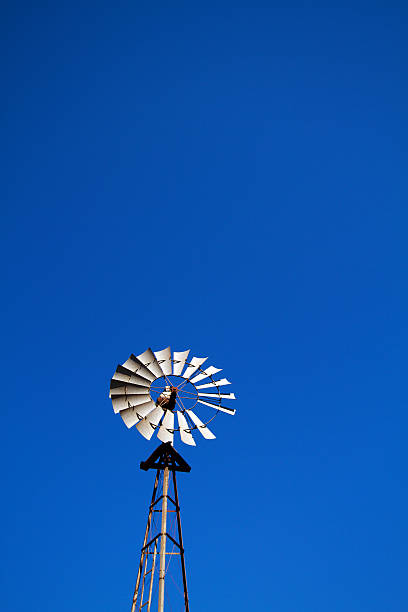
x=149, y=520
x=183, y=565
x=162, y=570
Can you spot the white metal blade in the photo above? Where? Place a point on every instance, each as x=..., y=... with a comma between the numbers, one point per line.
x=168, y=423
x=127, y=401
x=135, y=365
x=217, y=407
x=132, y=415
x=164, y=359
x=144, y=409
x=203, y=429
x=185, y=435
x=149, y=360
x=129, y=417
x=208, y=372
x=193, y=366
x=118, y=388
x=214, y=383
x=217, y=395
x=126, y=375
x=179, y=360
x=145, y=426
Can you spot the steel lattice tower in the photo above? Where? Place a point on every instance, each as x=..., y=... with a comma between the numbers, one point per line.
x=153, y=556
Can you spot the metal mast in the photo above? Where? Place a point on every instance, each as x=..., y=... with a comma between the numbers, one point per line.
x=165, y=460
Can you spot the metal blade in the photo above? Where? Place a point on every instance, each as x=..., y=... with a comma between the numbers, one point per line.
x=135, y=365
x=126, y=375
x=149, y=360
x=164, y=359
x=127, y=401
x=193, y=366
x=129, y=417
x=214, y=383
x=218, y=407
x=208, y=372
x=125, y=391
x=185, y=435
x=118, y=388
x=145, y=426
x=132, y=415
x=217, y=395
x=168, y=423
x=203, y=429
x=179, y=359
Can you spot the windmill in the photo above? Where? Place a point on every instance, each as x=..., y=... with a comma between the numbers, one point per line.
x=157, y=392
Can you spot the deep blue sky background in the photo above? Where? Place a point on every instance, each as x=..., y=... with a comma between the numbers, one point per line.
x=230, y=177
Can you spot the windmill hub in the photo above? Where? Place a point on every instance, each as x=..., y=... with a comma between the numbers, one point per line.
x=167, y=398
x=173, y=392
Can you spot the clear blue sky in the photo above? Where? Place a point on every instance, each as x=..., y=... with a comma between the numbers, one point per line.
x=230, y=177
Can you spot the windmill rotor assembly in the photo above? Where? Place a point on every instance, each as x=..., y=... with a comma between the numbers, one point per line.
x=160, y=392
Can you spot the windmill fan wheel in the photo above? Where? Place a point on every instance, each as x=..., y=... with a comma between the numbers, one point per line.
x=155, y=388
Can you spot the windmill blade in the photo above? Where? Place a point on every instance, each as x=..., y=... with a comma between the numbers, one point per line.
x=168, y=423
x=126, y=391
x=118, y=388
x=216, y=383
x=217, y=395
x=179, y=359
x=193, y=366
x=164, y=359
x=218, y=407
x=132, y=415
x=135, y=365
x=149, y=360
x=144, y=409
x=202, y=428
x=185, y=433
x=145, y=426
x=129, y=417
x=126, y=375
x=208, y=372
x=127, y=401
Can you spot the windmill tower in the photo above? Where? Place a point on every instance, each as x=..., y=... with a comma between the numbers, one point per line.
x=150, y=391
